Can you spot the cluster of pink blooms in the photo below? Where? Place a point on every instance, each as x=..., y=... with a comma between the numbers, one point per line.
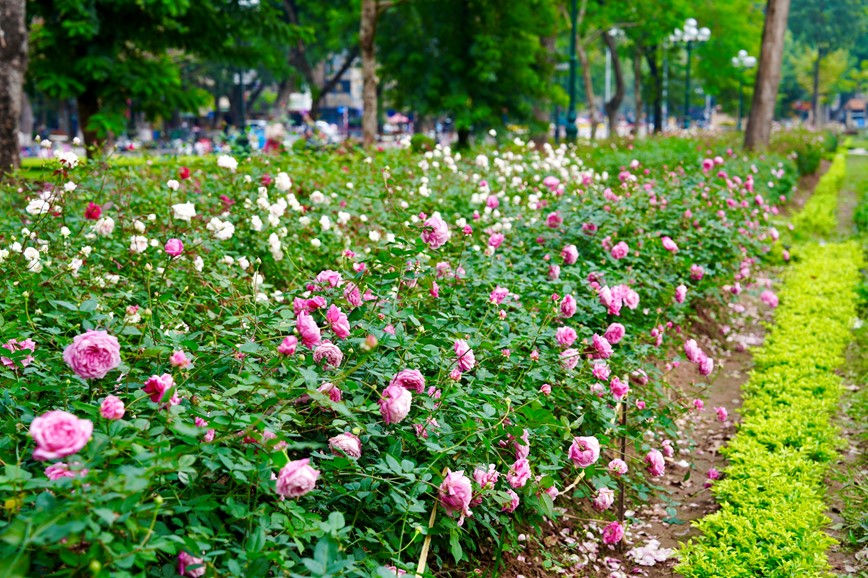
x=695, y=355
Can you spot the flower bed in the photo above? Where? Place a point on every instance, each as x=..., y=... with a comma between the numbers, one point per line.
x=348, y=364
x=772, y=516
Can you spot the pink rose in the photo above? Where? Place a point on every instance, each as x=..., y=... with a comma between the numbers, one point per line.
x=566, y=336
x=15, y=345
x=584, y=451
x=669, y=244
x=696, y=272
x=395, y=404
x=545, y=389
x=174, y=247
x=93, y=354
x=61, y=470
x=614, y=333
x=693, y=351
x=519, y=473
x=570, y=254
x=498, y=294
x=551, y=182
x=352, y=295
x=618, y=467
x=604, y=500
x=409, y=379
x=466, y=359
x=680, y=293
x=554, y=272
x=333, y=392
x=185, y=561
x=602, y=347
x=655, y=463
x=601, y=371
x=569, y=358
x=308, y=330
x=329, y=277
x=455, y=494
x=486, y=478
x=706, y=365
x=329, y=353
x=296, y=479
x=58, y=434
x=179, y=359
x=112, y=407
x=346, y=443
x=620, y=250
x=554, y=220
x=568, y=306
x=698, y=404
x=613, y=533
x=435, y=232
x=338, y=322
x=156, y=386
x=495, y=240
x=510, y=506
x=618, y=388
x=631, y=299
x=722, y=414
x=288, y=345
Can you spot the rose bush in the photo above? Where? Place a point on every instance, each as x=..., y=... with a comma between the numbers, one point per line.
x=298, y=365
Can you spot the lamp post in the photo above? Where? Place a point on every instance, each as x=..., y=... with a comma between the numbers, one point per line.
x=688, y=36
x=742, y=61
x=572, y=130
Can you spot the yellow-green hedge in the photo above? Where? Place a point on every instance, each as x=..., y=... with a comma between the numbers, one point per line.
x=772, y=517
x=820, y=215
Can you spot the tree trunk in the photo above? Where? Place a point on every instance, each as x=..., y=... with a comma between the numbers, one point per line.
x=88, y=105
x=613, y=105
x=589, y=87
x=13, y=63
x=759, y=123
x=542, y=107
x=651, y=58
x=367, y=35
x=637, y=90
x=463, y=139
x=815, y=95
x=281, y=103
x=27, y=120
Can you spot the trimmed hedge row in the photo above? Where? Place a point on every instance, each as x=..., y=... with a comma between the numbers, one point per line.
x=772, y=508
x=820, y=215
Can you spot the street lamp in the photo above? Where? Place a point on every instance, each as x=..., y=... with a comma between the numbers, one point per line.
x=689, y=35
x=742, y=61
x=572, y=130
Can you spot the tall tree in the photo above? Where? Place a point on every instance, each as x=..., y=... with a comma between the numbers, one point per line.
x=826, y=26
x=479, y=61
x=13, y=62
x=106, y=53
x=759, y=123
x=615, y=102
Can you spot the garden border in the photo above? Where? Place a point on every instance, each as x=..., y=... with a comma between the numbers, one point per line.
x=772, y=520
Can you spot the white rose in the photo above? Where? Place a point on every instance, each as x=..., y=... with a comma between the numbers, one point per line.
x=227, y=162
x=184, y=211
x=138, y=244
x=282, y=182
x=173, y=184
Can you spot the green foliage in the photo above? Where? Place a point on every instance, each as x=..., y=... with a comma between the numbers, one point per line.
x=155, y=486
x=106, y=53
x=479, y=61
x=420, y=143
x=772, y=516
